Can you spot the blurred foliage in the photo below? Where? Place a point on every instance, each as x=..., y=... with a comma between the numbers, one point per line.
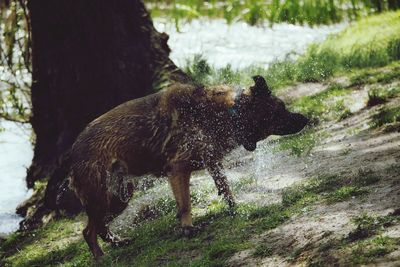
x=312, y=12
x=15, y=62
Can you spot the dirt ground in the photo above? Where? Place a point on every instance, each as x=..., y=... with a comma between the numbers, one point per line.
x=350, y=146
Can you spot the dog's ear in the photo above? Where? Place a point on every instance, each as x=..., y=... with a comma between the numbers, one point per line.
x=260, y=86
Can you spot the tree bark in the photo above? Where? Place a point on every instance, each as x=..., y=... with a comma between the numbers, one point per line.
x=87, y=57
x=393, y=4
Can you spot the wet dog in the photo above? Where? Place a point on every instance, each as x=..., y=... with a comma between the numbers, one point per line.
x=173, y=132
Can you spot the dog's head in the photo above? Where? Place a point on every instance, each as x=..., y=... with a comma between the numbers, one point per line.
x=260, y=114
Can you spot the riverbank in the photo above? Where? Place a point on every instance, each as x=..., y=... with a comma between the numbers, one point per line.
x=327, y=196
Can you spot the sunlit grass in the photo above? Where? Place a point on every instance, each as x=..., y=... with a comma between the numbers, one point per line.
x=313, y=66
x=257, y=11
x=159, y=242
x=361, y=47
x=381, y=30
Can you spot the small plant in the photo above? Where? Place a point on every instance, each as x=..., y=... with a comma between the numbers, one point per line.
x=385, y=116
x=345, y=193
x=319, y=106
x=369, y=225
x=227, y=75
x=263, y=251
x=300, y=144
x=361, y=78
x=198, y=69
x=365, y=177
x=308, y=192
x=376, y=97
x=371, y=76
x=316, y=65
x=342, y=112
x=367, y=251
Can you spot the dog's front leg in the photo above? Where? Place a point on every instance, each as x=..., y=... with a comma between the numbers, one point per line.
x=221, y=182
x=179, y=180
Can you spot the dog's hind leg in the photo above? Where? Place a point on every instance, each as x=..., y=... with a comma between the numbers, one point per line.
x=90, y=235
x=116, y=204
x=179, y=180
x=221, y=182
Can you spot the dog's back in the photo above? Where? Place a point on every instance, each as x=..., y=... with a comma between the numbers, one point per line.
x=146, y=135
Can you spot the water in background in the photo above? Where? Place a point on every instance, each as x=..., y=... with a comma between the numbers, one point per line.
x=15, y=156
x=238, y=44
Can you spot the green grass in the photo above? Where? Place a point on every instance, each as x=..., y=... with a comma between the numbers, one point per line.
x=385, y=116
x=368, y=225
x=323, y=105
x=257, y=11
x=222, y=233
x=346, y=192
x=300, y=144
x=370, y=42
x=59, y=241
x=359, y=49
x=373, y=75
x=379, y=95
x=382, y=29
x=158, y=242
x=369, y=250
x=332, y=188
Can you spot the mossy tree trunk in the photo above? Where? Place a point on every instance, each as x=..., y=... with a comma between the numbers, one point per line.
x=88, y=56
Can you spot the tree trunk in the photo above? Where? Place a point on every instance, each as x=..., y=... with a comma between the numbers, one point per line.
x=393, y=4
x=87, y=56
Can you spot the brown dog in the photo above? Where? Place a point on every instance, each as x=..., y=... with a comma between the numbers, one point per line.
x=173, y=132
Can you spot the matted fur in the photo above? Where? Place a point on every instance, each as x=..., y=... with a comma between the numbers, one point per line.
x=173, y=132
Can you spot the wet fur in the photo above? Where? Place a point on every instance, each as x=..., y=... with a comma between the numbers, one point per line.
x=173, y=132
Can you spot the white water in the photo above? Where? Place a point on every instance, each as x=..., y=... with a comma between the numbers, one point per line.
x=15, y=156
x=239, y=45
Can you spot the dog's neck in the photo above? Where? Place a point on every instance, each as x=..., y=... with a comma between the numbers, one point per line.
x=235, y=117
x=233, y=111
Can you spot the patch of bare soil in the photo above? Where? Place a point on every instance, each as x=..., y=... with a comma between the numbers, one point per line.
x=301, y=89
